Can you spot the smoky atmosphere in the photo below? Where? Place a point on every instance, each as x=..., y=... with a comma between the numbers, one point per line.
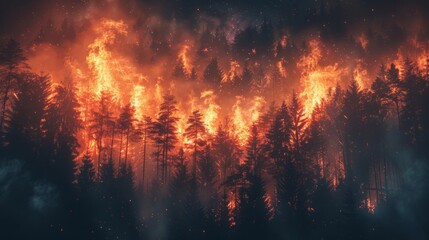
x=214, y=119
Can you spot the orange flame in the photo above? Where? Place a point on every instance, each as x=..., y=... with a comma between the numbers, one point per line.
x=361, y=75
x=100, y=59
x=316, y=80
x=185, y=58
x=242, y=120
x=281, y=68
x=211, y=111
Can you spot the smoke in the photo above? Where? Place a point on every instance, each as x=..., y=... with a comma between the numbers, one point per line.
x=412, y=199
x=19, y=191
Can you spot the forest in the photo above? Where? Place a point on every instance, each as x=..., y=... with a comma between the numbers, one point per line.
x=176, y=125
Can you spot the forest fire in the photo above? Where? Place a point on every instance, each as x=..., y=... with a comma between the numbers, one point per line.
x=218, y=120
x=100, y=59
x=211, y=111
x=316, y=80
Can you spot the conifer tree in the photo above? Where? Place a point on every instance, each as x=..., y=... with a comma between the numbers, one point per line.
x=213, y=74
x=165, y=128
x=12, y=63
x=102, y=117
x=195, y=131
x=126, y=126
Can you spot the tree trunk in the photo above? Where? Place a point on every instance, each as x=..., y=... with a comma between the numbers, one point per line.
x=144, y=156
x=120, y=150
x=194, y=166
x=126, y=145
x=100, y=142
x=5, y=98
x=111, y=143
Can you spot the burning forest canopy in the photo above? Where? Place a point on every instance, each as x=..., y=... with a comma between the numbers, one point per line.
x=229, y=107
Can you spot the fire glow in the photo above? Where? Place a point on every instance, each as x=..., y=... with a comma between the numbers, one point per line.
x=106, y=70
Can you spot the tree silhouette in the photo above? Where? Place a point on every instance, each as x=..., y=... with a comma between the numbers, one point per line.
x=126, y=126
x=298, y=122
x=212, y=74
x=179, y=71
x=86, y=175
x=145, y=129
x=61, y=127
x=226, y=151
x=395, y=95
x=12, y=63
x=101, y=119
x=255, y=158
x=207, y=179
x=253, y=211
x=194, y=131
x=24, y=125
x=165, y=128
x=278, y=135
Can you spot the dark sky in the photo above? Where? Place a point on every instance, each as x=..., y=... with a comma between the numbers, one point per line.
x=339, y=17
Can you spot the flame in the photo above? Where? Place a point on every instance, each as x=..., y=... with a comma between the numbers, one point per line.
x=233, y=71
x=361, y=75
x=232, y=206
x=184, y=55
x=138, y=101
x=255, y=109
x=363, y=41
x=181, y=127
x=211, y=111
x=371, y=205
x=281, y=68
x=242, y=120
x=422, y=60
x=105, y=67
x=316, y=80
x=283, y=41
x=100, y=59
x=239, y=123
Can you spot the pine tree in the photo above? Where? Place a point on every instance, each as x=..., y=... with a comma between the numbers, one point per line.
x=352, y=112
x=101, y=119
x=195, y=131
x=180, y=180
x=212, y=74
x=127, y=219
x=253, y=212
x=244, y=82
x=279, y=134
x=179, y=71
x=255, y=158
x=87, y=197
x=24, y=126
x=226, y=152
x=165, y=128
x=324, y=214
x=61, y=127
x=126, y=126
x=207, y=179
x=146, y=131
x=179, y=190
x=12, y=63
x=395, y=95
x=411, y=112
x=298, y=123
x=86, y=175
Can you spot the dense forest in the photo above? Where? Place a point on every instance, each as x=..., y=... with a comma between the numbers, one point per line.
x=251, y=138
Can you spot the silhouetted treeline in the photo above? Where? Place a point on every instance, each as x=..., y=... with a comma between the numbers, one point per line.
x=357, y=168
